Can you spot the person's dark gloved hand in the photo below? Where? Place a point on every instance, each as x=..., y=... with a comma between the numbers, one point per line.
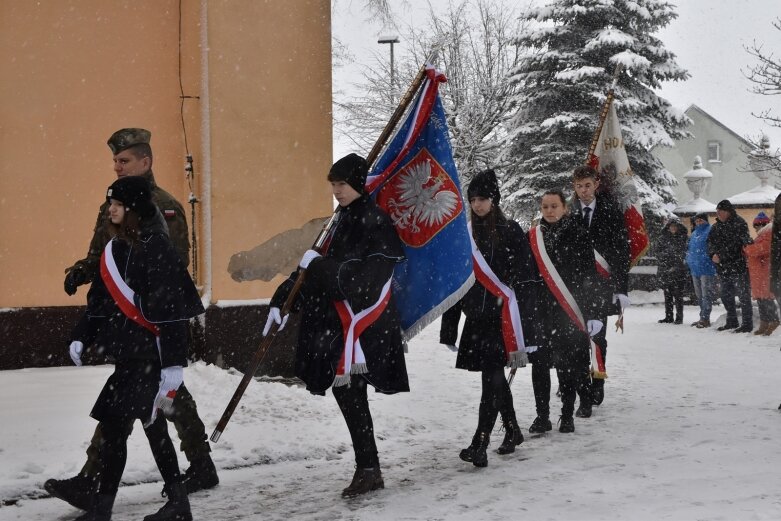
x=74, y=277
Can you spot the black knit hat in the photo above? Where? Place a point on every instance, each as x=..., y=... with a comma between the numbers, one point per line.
x=352, y=169
x=703, y=216
x=725, y=205
x=484, y=184
x=135, y=193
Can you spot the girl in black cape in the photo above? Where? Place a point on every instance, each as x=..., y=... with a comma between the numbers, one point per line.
x=147, y=339
x=505, y=248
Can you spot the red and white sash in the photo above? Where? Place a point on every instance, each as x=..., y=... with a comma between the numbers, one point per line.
x=123, y=294
x=512, y=331
x=353, y=361
x=564, y=297
x=603, y=268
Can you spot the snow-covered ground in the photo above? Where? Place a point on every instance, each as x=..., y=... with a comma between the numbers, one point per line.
x=689, y=430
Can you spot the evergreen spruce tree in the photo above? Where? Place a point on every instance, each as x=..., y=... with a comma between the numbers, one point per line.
x=564, y=83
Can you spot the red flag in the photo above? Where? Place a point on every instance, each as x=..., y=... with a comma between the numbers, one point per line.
x=610, y=160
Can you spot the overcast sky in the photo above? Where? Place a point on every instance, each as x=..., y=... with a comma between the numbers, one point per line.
x=708, y=39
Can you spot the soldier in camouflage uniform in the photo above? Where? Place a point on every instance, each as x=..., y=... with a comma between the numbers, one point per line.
x=133, y=156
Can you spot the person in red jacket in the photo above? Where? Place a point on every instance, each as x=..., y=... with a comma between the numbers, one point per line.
x=758, y=259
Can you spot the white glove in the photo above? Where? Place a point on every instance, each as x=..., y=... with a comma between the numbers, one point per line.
x=622, y=300
x=170, y=380
x=452, y=347
x=532, y=349
x=309, y=255
x=76, y=349
x=275, y=317
x=594, y=327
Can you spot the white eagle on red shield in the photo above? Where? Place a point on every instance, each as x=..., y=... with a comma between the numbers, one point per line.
x=421, y=199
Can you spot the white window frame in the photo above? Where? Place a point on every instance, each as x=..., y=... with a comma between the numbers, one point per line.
x=717, y=146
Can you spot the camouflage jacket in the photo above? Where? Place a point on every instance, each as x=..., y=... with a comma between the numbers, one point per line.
x=174, y=215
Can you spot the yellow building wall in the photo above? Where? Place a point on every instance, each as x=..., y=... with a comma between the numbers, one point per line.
x=74, y=71
x=270, y=92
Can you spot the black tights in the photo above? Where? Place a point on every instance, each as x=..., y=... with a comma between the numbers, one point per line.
x=354, y=404
x=113, y=452
x=496, y=398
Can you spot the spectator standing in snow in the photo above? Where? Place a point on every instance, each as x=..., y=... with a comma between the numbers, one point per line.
x=726, y=240
x=138, y=311
x=671, y=254
x=132, y=156
x=568, y=309
x=758, y=259
x=702, y=269
x=487, y=343
x=352, y=275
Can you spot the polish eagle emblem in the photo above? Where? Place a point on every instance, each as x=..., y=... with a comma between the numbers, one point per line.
x=421, y=200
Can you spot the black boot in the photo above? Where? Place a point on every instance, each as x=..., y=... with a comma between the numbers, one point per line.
x=177, y=508
x=468, y=454
x=480, y=457
x=201, y=475
x=584, y=411
x=566, y=424
x=512, y=438
x=100, y=510
x=597, y=391
x=728, y=325
x=79, y=490
x=666, y=320
x=540, y=425
x=364, y=480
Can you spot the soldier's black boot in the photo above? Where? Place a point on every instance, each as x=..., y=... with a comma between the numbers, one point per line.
x=512, y=438
x=177, y=508
x=100, y=510
x=364, y=480
x=201, y=475
x=79, y=491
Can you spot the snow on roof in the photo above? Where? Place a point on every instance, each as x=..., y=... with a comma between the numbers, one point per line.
x=762, y=195
x=698, y=205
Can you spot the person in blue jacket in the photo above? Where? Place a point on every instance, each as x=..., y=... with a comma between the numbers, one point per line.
x=702, y=269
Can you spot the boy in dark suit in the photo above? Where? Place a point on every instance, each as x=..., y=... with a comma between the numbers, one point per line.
x=600, y=214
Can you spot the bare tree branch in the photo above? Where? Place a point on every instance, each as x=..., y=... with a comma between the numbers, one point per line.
x=478, y=98
x=765, y=76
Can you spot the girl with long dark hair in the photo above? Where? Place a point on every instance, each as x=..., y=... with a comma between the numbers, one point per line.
x=505, y=286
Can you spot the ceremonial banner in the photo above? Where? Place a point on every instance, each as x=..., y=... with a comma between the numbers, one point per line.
x=610, y=160
x=415, y=181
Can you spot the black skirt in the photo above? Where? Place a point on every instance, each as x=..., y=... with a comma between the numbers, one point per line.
x=129, y=392
x=482, y=344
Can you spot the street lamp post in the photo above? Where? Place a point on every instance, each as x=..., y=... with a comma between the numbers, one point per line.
x=390, y=39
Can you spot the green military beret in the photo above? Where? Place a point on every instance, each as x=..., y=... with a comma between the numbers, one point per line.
x=128, y=137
